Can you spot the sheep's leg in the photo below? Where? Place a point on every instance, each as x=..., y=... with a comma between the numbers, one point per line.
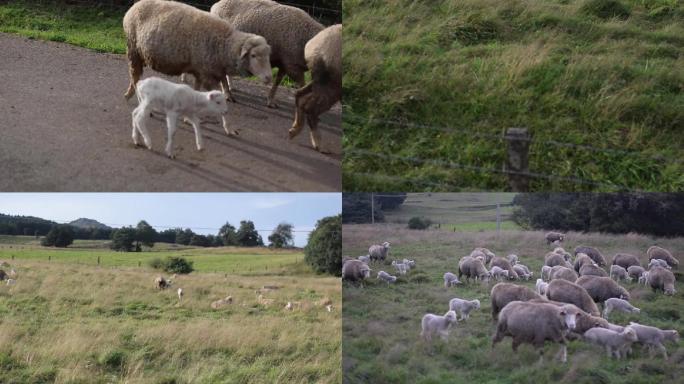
x=662, y=349
x=225, y=87
x=563, y=352
x=135, y=69
x=134, y=123
x=300, y=99
x=314, y=134
x=271, y=94
x=171, y=123
x=141, y=124
x=198, y=134
x=444, y=335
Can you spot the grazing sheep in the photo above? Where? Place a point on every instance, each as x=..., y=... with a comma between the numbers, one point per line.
x=524, y=267
x=355, y=270
x=553, y=237
x=619, y=273
x=654, y=337
x=522, y=271
x=566, y=255
x=658, y=263
x=222, y=302
x=643, y=279
x=432, y=324
x=364, y=259
x=615, y=304
x=400, y=267
x=552, y=259
x=656, y=252
x=534, y=323
x=513, y=259
x=545, y=272
x=463, y=307
x=175, y=101
x=379, y=252
x=592, y=270
x=602, y=288
x=323, y=56
x=661, y=279
x=503, y=263
x=593, y=253
x=568, y=292
x=581, y=260
x=286, y=29
x=289, y=306
x=161, y=283
x=541, y=287
x=11, y=281
x=410, y=263
x=386, y=277
x=585, y=321
x=498, y=273
x=489, y=255
x=635, y=271
x=450, y=280
x=175, y=38
x=614, y=342
x=565, y=273
x=180, y=294
x=625, y=260
x=472, y=267
x=504, y=293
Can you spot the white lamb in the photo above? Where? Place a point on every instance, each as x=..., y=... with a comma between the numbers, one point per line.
x=643, y=279
x=616, y=343
x=365, y=259
x=450, y=280
x=400, y=267
x=410, y=263
x=499, y=273
x=653, y=337
x=619, y=273
x=615, y=304
x=513, y=259
x=541, y=287
x=180, y=294
x=174, y=100
x=463, y=307
x=386, y=277
x=432, y=324
x=658, y=263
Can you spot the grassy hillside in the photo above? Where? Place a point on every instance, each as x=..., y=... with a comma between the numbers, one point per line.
x=600, y=73
x=381, y=324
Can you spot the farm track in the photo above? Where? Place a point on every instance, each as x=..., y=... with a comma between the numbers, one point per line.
x=66, y=127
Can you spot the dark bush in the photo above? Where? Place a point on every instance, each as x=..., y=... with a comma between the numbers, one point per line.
x=605, y=9
x=323, y=252
x=156, y=263
x=177, y=265
x=419, y=223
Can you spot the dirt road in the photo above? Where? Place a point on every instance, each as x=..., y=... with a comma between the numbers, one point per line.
x=65, y=126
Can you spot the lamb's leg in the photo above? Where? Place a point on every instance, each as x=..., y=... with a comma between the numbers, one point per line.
x=271, y=95
x=171, y=122
x=314, y=134
x=134, y=123
x=662, y=349
x=225, y=87
x=141, y=123
x=198, y=134
x=135, y=69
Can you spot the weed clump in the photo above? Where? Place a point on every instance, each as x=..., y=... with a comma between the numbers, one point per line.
x=474, y=30
x=605, y=9
x=172, y=265
x=419, y=223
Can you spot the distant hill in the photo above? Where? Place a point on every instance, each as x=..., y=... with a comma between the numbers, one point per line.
x=88, y=224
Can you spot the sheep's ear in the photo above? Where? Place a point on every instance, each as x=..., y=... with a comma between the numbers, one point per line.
x=246, y=47
x=213, y=96
x=562, y=312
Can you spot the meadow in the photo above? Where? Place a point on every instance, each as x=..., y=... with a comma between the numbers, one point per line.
x=68, y=320
x=381, y=324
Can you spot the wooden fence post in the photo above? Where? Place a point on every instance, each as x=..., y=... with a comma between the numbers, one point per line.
x=517, y=161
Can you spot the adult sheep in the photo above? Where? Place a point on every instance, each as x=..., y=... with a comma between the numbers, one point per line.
x=323, y=56
x=656, y=252
x=286, y=29
x=561, y=272
x=504, y=264
x=662, y=279
x=504, y=293
x=592, y=270
x=568, y=292
x=625, y=260
x=355, y=270
x=489, y=255
x=552, y=259
x=582, y=259
x=602, y=288
x=552, y=237
x=379, y=252
x=473, y=267
x=592, y=252
x=175, y=38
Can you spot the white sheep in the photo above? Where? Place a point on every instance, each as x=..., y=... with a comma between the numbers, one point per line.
x=174, y=100
x=546, y=273
x=619, y=273
x=499, y=273
x=616, y=343
x=658, y=263
x=643, y=279
x=180, y=294
x=411, y=263
x=386, y=277
x=432, y=324
x=541, y=287
x=615, y=304
x=400, y=267
x=513, y=259
x=365, y=259
x=653, y=337
x=450, y=280
x=463, y=307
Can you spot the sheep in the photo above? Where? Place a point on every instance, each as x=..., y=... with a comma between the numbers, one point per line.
x=560, y=272
x=11, y=282
x=498, y=273
x=602, y=288
x=180, y=294
x=552, y=237
x=329, y=307
x=581, y=260
x=541, y=287
x=472, y=267
x=614, y=342
x=463, y=307
x=654, y=337
x=264, y=301
x=545, y=272
x=635, y=271
x=410, y=263
x=364, y=259
x=534, y=323
x=513, y=259
x=489, y=255
x=289, y=306
x=560, y=251
x=593, y=253
x=222, y=302
x=432, y=324
x=524, y=267
x=661, y=279
x=323, y=56
x=625, y=260
x=401, y=268
x=619, y=273
x=584, y=320
x=379, y=252
x=568, y=292
x=643, y=279
x=658, y=263
x=160, y=283
x=504, y=293
x=504, y=264
x=450, y=280
x=656, y=252
x=174, y=38
x=287, y=30
x=355, y=270
x=592, y=270
x=615, y=304
x=522, y=272
x=552, y=259
x=386, y=277
x=174, y=100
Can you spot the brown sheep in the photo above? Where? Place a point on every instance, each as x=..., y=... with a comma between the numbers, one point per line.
x=355, y=270
x=565, y=273
x=567, y=292
x=472, y=267
x=592, y=270
x=552, y=259
x=585, y=322
x=582, y=259
x=504, y=293
x=635, y=271
x=504, y=264
x=592, y=252
x=554, y=236
x=161, y=283
x=602, y=288
x=656, y=252
x=625, y=260
x=662, y=279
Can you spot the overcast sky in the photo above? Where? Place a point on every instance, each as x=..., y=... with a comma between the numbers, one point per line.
x=202, y=212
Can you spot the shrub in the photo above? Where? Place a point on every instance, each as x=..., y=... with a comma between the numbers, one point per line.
x=419, y=223
x=605, y=9
x=112, y=359
x=156, y=263
x=323, y=252
x=172, y=265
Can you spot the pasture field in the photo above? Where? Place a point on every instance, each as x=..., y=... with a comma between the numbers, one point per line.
x=381, y=324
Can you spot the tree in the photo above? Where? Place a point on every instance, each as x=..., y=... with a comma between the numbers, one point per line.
x=228, y=235
x=356, y=208
x=323, y=251
x=168, y=235
x=184, y=237
x=59, y=236
x=389, y=201
x=247, y=235
x=199, y=240
x=145, y=234
x=282, y=236
x=123, y=239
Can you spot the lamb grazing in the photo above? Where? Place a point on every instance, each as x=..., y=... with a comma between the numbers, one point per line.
x=534, y=323
x=499, y=273
x=180, y=294
x=472, y=267
x=435, y=324
x=560, y=272
x=364, y=259
x=602, y=288
x=654, y=337
x=161, y=283
x=386, y=277
x=522, y=273
x=222, y=302
x=615, y=304
x=635, y=272
x=504, y=293
x=581, y=260
x=656, y=252
x=287, y=30
x=513, y=259
x=566, y=255
x=450, y=280
x=658, y=263
x=614, y=342
x=175, y=38
x=552, y=259
x=568, y=292
x=618, y=273
x=541, y=287
x=661, y=279
x=401, y=268
x=379, y=252
x=524, y=267
x=592, y=270
x=643, y=279
x=625, y=260
x=545, y=272
x=463, y=307
x=553, y=237
x=410, y=263
x=593, y=253
x=323, y=56
x=11, y=281
x=505, y=265
x=355, y=270
x=174, y=100
x=489, y=255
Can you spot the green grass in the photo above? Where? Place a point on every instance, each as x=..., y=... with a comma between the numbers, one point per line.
x=381, y=324
x=561, y=68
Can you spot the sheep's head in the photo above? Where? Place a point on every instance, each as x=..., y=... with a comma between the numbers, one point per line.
x=386, y=244
x=365, y=272
x=569, y=316
x=630, y=333
x=477, y=303
x=216, y=103
x=255, y=56
x=450, y=316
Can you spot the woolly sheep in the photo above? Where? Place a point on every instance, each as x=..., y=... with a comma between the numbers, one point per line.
x=618, y=273
x=614, y=342
x=552, y=237
x=661, y=279
x=463, y=307
x=582, y=259
x=513, y=259
x=658, y=263
x=410, y=263
x=566, y=255
x=593, y=253
x=160, y=282
x=615, y=304
x=379, y=252
x=174, y=100
x=450, y=280
x=568, y=292
x=435, y=324
x=286, y=29
x=545, y=272
x=643, y=279
x=180, y=294
x=552, y=259
x=565, y=273
x=400, y=267
x=654, y=337
x=489, y=255
x=386, y=277
x=503, y=263
x=635, y=271
x=522, y=273
x=541, y=287
x=656, y=252
x=504, y=293
x=364, y=259
x=355, y=270
x=498, y=273
x=472, y=267
x=524, y=267
x=592, y=270
x=222, y=302
x=323, y=56
x=584, y=320
x=602, y=288
x=625, y=260
x=264, y=301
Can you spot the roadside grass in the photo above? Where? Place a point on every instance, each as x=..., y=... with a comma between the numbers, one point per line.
x=381, y=324
x=564, y=70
